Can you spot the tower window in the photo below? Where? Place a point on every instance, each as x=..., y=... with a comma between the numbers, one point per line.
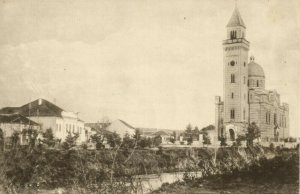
x=257, y=83
x=232, y=78
x=232, y=63
x=232, y=114
x=232, y=34
x=232, y=95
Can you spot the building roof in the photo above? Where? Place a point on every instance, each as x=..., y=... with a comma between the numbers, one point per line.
x=16, y=118
x=236, y=19
x=161, y=133
x=39, y=107
x=255, y=69
x=129, y=126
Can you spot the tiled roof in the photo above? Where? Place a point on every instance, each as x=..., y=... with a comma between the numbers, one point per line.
x=39, y=107
x=16, y=118
x=127, y=124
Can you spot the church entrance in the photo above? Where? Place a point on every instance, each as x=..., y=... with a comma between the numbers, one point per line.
x=231, y=134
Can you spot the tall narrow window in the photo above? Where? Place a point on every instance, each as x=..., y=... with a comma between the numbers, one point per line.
x=244, y=80
x=244, y=114
x=257, y=83
x=232, y=95
x=267, y=117
x=232, y=114
x=275, y=119
x=232, y=78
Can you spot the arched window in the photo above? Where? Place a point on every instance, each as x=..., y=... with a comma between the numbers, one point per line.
x=232, y=78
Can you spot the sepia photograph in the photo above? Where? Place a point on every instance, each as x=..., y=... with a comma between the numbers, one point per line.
x=149, y=96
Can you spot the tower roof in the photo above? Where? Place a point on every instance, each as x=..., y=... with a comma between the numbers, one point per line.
x=236, y=19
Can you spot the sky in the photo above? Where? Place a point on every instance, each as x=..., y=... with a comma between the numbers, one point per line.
x=151, y=63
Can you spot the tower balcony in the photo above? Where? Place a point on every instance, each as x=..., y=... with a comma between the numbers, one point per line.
x=236, y=40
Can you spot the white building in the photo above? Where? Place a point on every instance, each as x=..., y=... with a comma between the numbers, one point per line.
x=48, y=115
x=11, y=123
x=121, y=128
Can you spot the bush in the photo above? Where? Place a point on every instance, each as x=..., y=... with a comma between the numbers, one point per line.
x=272, y=147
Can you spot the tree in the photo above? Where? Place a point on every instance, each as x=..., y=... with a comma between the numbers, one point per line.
x=223, y=141
x=48, y=138
x=188, y=134
x=206, y=139
x=70, y=141
x=144, y=142
x=173, y=137
x=128, y=142
x=113, y=139
x=1, y=140
x=98, y=139
x=157, y=140
x=253, y=132
x=196, y=132
x=15, y=139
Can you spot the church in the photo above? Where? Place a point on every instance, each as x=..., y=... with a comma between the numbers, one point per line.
x=246, y=99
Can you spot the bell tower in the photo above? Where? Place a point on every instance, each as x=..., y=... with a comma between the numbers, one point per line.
x=235, y=59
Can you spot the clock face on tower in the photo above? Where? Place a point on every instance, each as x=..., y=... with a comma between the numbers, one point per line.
x=232, y=63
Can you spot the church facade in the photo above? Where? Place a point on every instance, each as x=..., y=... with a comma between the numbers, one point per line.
x=245, y=98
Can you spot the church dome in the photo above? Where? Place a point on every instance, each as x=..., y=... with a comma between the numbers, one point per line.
x=255, y=69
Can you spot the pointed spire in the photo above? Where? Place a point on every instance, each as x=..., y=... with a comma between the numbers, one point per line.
x=236, y=19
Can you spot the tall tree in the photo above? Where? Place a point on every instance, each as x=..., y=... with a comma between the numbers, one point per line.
x=188, y=134
x=48, y=138
x=253, y=132
x=70, y=141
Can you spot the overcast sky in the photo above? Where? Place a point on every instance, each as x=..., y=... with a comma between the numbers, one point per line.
x=151, y=63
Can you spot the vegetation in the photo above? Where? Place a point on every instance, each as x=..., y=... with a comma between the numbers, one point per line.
x=277, y=175
x=253, y=132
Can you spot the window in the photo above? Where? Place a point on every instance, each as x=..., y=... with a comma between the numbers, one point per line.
x=257, y=83
x=244, y=114
x=244, y=64
x=248, y=83
x=267, y=117
x=232, y=95
x=232, y=78
x=244, y=80
x=275, y=119
x=232, y=63
x=232, y=34
x=232, y=114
